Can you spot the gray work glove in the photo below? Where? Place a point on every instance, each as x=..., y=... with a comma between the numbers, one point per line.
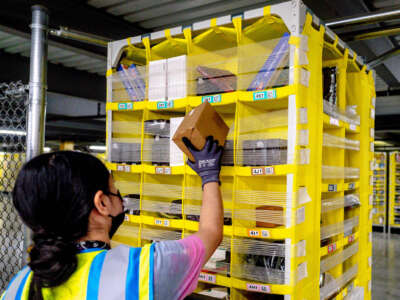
x=208, y=160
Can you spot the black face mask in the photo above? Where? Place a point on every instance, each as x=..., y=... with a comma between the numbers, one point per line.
x=118, y=219
x=116, y=222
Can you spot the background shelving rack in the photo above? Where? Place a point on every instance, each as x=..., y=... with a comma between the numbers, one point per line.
x=380, y=190
x=394, y=190
x=317, y=230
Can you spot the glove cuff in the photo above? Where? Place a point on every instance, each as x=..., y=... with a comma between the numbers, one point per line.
x=210, y=177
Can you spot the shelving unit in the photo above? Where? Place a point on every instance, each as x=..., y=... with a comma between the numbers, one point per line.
x=380, y=193
x=394, y=190
x=296, y=215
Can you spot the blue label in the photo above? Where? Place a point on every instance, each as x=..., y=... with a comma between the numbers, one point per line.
x=332, y=188
x=165, y=104
x=211, y=99
x=264, y=95
x=125, y=106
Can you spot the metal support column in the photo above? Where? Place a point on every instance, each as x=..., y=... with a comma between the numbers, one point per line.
x=37, y=90
x=37, y=82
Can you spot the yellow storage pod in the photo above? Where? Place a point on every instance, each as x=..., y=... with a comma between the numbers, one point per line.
x=394, y=190
x=380, y=193
x=297, y=171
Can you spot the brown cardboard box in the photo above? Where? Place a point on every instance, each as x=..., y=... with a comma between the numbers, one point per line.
x=200, y=123
x=276, y=210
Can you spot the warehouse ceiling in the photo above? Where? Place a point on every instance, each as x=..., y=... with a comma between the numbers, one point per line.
x=76, y=70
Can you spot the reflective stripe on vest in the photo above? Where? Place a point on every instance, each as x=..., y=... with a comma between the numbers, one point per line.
x=132, y=281
x=15, y=289
x=113, y=274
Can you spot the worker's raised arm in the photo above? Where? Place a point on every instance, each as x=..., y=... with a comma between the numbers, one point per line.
x=208, y=166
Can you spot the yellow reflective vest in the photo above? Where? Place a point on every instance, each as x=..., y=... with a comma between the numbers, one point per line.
x=121, y=273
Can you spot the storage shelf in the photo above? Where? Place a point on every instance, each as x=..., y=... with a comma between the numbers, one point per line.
x=338, y=245
x=279, y=162
x=339, y=187
x=164, y=170
x=171, y=105
x=278, y=170
x=268, y=233
x=124, y=167
x=331, y=122
x=243, y=285
x=126, y=106
x=273, y=98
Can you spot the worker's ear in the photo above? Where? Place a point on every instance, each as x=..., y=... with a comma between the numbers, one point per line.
x=102, y=203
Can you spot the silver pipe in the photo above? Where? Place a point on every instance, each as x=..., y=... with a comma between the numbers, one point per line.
x=364, y=18
x=37, y=91
x=79, y=36
x=381, y=58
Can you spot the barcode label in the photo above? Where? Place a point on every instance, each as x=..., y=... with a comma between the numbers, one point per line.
x=332, y=247
x=253, y=233
x=265, y=233
x=351, y=238
x=207, y=278
x=160, y=222
x=334, y=121
x=120, y=168
x=269, y=170
x=257, y=171
x=269, y=94
x=353, y=127
x=163, y=170
x=211, y=99
x=258, y=287
x=127, y=169
x=165, y=104
x=125, y=106
x=257, y=233
x=332, y=187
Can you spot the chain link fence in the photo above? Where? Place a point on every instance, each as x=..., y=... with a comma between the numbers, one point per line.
x=13, y=103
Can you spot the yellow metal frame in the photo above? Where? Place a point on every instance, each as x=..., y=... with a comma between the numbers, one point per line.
x=355, y=87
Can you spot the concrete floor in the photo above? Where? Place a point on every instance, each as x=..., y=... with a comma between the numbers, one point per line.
x=386, y=267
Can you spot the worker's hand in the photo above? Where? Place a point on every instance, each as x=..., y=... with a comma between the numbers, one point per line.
x=208, y=160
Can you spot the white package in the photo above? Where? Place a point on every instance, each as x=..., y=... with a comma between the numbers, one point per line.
x=176, y=77
x=175, y=154
x=158, y=80
x=215, y=292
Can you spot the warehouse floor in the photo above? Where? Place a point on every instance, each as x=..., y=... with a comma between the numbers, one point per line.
x=386, y=267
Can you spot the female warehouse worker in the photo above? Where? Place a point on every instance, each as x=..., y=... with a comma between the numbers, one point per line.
x=70, y=203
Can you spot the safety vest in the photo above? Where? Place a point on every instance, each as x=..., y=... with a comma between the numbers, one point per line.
x=123, y=273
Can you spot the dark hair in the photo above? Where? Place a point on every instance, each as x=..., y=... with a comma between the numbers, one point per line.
x=54, y=195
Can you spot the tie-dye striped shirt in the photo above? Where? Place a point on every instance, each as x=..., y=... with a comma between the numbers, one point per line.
x=177, y=265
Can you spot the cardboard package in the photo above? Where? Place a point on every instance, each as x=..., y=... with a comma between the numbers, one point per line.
x=201, y=122
x=276, y=212
x=176, y=77
x=158, y=80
